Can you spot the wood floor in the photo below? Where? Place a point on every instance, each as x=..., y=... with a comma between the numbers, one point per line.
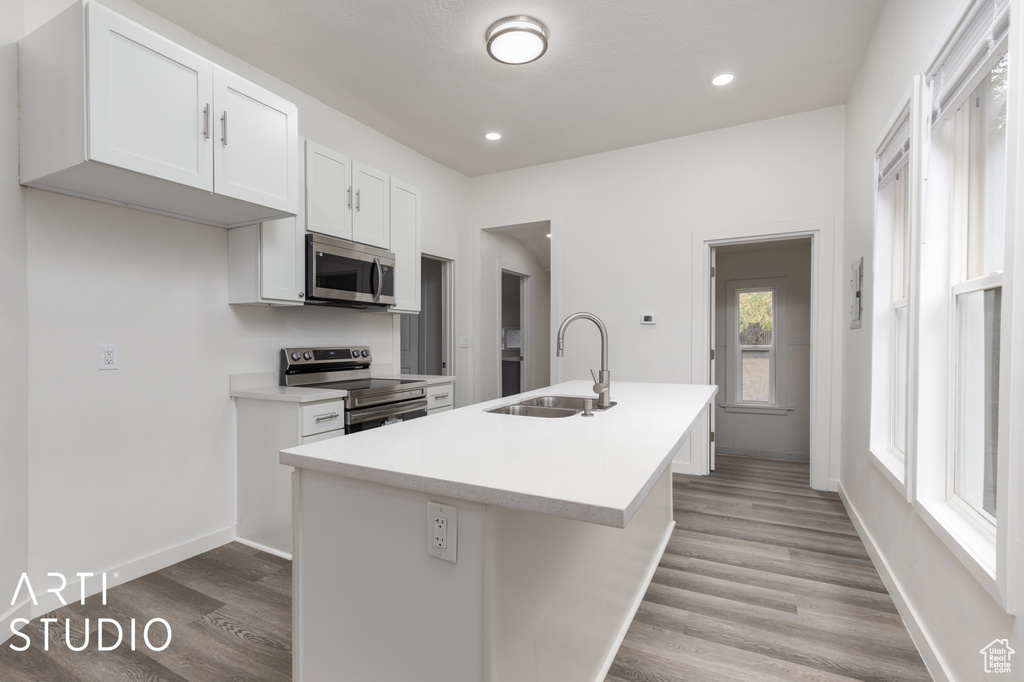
x=764, y=579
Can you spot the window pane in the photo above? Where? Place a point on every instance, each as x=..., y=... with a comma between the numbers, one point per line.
x=756, y=376
x=977, y=398
x=899, y=432
x=900, y=235
x=756, y=317
x=987, y=174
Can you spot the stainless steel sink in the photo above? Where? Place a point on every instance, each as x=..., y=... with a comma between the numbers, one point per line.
x=535, y=411
x=564, y=401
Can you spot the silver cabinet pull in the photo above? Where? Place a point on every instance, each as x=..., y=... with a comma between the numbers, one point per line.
x=440, y=396
x=327, y=417
x=358, y=202
x=224, y=128
x=206, y=121
x=350, y=197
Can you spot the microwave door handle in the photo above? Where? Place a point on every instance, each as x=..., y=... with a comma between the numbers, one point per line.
x=380, y=279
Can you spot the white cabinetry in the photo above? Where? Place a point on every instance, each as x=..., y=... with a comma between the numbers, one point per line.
x=440, y=397
x=267, y=262
x=328, y=191
x=405, y=244
x=371, y=208
x=264, y=484
x=114, y=112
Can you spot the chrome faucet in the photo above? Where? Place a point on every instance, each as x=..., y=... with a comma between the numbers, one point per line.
x=603, y=379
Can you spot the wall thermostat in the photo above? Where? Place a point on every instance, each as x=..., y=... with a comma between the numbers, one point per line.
x=648, y=318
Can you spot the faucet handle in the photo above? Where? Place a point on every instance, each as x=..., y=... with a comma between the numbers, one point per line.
x=598, y=386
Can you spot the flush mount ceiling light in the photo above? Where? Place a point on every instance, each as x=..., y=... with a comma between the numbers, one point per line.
x=723, y=79
x=517, y=40
x=493, y=136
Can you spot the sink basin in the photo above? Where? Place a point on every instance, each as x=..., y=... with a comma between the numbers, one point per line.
x=535, y=411
x=563, y=401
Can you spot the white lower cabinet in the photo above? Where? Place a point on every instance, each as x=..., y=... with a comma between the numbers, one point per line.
x=265, y=427
x=440, y=397
x=115, y=112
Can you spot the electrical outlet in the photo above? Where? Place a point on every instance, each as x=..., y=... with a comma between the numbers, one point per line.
x=442, y=531
x=108, y=356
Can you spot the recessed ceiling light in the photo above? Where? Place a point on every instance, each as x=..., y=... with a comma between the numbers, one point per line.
x=722, y=79
x=517, y=40
x=493, y=136
x=548, y=235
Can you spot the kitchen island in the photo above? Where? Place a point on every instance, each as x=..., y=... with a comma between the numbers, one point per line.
x=559, y=525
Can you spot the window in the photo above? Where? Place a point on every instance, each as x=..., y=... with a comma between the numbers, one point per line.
x=752, y=326
x=891, y=327
x=963, y=406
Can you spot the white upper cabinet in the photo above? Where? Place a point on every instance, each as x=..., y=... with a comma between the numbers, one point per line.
x=147, y=106
x=405, y=244
x=114, y=112
x=256, y=153
x=371, y=223
x=328, y=191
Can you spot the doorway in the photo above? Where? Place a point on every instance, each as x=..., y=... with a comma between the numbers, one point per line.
x=512, y=335
x=762, y=299
x=825, y=313
x=426, y=338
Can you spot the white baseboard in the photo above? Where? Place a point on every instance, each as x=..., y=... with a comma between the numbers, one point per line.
x=118, y=575
x=638, y=598
x=263, y=548
x=22, y=610
x=915, y=626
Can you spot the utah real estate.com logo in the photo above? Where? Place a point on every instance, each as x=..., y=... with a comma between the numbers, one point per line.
x=997, y=656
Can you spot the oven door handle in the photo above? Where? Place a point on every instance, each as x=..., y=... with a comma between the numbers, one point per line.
x=392, y=410
x=380, y=279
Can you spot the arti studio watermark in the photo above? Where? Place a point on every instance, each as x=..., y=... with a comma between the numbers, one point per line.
x=111, y=643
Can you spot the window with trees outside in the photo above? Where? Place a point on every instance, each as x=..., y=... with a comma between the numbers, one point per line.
x=752, y=328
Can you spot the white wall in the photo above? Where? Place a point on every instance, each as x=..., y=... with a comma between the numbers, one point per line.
x=499, y=251
x=782, y=436
x=622, y=223
x=951, y=616
x=13, y=327
x=130, y=463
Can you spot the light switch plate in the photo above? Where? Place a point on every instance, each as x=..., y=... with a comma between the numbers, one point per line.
x=442, y=531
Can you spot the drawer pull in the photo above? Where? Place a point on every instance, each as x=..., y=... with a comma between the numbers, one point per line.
x=440, y=396
x=326, y=417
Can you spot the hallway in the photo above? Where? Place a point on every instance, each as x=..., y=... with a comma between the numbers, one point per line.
x=764, y=578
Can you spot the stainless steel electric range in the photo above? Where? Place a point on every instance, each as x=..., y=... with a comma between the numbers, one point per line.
x=370, y=402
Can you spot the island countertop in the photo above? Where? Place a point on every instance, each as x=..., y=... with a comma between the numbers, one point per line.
x=597, y=469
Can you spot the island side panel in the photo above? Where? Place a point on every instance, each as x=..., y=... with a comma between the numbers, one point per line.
x=371, y=604
x=564, y=592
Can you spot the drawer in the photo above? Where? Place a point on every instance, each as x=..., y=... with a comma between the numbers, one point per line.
x=440, y=395
x=325, y=416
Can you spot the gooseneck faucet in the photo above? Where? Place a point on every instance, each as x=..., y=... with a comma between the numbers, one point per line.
x=602, y=380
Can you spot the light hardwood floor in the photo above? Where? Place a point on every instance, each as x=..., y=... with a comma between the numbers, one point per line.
x=763, y=579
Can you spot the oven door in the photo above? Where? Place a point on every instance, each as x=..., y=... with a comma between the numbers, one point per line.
x=348, y=273
x=384, y=415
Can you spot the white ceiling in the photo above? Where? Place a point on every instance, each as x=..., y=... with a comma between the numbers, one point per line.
x=617, y=73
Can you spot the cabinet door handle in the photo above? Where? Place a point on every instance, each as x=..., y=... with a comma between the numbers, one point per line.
x=350, y=197
x=206, y=121
x=440, y=396
x=358, y=201
x=326, y=417
x=224, y=128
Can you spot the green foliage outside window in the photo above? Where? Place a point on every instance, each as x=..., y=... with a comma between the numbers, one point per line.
x=756, y=317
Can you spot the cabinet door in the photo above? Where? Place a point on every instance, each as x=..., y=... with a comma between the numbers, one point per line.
x=405, y=244
x=371, y=211
x=282, y=254
x=256, y=145
x=328, y=191
x=148, y=102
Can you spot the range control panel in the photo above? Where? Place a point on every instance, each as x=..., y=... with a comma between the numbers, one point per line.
x=325, y=357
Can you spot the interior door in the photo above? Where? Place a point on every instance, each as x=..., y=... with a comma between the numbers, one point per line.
x=712, y=376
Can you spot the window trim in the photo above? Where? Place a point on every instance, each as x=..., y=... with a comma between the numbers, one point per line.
x=733, y=369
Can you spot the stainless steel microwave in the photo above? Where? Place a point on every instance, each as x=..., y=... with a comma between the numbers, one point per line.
x=344, y=273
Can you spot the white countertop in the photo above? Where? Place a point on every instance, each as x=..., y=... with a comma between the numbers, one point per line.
x=596, y=469
x=263, y=386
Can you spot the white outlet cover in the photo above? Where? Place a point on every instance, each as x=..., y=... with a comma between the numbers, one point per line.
x=450, y=517
x=108, y=356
